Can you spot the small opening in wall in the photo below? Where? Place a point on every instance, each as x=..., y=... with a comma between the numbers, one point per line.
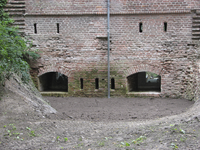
x=35, y=28
x=81, y=80
x=97, y=83
x=140, y=27
x=112, y=83
x=165, y=26
x=58, y=28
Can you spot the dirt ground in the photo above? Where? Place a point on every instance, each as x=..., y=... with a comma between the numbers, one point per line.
x=100, y=123
x=116, y=109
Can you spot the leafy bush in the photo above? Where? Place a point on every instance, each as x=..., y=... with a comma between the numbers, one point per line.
x=13, y=50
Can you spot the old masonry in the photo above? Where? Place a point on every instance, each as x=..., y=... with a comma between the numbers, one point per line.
x=154, y=46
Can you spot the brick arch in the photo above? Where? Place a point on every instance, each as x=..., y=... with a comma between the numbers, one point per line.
x=144, y=68
x=66, y=72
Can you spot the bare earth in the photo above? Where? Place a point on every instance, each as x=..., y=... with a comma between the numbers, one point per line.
x=100, y=123
x=116, y=109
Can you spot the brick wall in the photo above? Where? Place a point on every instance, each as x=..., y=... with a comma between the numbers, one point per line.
x=79, y=50
x=117, y=6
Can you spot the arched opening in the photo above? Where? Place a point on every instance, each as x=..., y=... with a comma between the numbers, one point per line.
x=53, y=81
x=144, y=82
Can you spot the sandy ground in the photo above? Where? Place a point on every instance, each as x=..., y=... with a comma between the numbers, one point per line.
x=116, y=109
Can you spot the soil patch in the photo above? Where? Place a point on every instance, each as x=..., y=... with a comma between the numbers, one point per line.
x=117, y=109
x=101, y=125
x=27, y=122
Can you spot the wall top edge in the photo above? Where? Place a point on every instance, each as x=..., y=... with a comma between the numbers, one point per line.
x=99, y=13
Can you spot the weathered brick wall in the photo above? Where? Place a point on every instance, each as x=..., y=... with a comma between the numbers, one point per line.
x=117, y=6
x=80, y=49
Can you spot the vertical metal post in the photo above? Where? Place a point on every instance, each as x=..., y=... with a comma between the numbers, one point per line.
x=108, y=34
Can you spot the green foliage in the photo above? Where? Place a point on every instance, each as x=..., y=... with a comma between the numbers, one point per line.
x=13, y=50
x=174, y=146
x=125, y=144
x=66, y=139
x=2, y=13
x=11, y=131
x=32, y=132
x=102, y=143
x=151, y=75
x=57, y=138
x=139, y=140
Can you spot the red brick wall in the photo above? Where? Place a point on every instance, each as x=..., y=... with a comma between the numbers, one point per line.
x=81, y=45
x=117, y=6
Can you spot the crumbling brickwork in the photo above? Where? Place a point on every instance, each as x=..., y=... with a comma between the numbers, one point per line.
x=72, y=38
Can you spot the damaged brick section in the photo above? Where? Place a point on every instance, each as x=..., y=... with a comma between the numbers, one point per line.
x=161, y=37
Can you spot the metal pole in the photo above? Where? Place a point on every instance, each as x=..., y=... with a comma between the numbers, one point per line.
x=108, y=34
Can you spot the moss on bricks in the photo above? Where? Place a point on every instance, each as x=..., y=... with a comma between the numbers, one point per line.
x=89, y=84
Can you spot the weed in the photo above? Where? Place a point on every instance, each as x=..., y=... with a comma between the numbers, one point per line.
x=102, y=143
x=174, y=146
x=13, y=127
x=16, y=133
x=178, y=130
x=10, y=131
x=107, y=138
x=66, y=139
x=57, y=138
x=32, y=132
x=182, y=139
x=139, y=140
x=182, y=131
x=80, y=139
x=125, y=144
x=28, y=128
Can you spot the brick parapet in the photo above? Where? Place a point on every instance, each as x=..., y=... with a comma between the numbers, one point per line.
x=117, y=6
x=112, y=13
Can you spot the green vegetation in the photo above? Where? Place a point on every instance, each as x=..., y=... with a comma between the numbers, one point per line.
x=125, y=144
x=102, y=143
x=14, y=50
x=139, y=140
x=151, y=75
x=11, y=132
x=32, y=132
x=57, y=138
x=66, y=139
x=174, y=146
